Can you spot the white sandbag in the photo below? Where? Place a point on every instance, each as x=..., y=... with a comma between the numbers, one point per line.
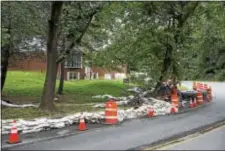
x=30, y=123
x=59, y=125
x=105, y=96
x=4, y=103
x=135, y=89
x=100, y=105
x=121, y=115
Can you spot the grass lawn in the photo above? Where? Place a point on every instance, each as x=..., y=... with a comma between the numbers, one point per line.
x=26, y=87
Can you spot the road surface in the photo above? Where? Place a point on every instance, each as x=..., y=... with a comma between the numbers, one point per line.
x=132, y=134
x=213, y=140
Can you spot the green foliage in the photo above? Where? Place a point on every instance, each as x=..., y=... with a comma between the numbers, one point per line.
x=205, y=57
x=26, y=20
x=194, y=31
x=143, y=37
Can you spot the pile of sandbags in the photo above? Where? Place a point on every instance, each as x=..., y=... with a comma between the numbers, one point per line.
x=41, y=124
x=159, y=107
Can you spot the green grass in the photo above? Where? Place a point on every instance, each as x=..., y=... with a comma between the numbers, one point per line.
x=29, y=113
x=62, y=110
x=26, y=87
x=30, y=84
x=20, y=83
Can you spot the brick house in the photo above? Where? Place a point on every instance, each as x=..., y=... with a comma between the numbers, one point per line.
x=74, y=66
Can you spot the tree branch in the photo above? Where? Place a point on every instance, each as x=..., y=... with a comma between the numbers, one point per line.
x=76, y=41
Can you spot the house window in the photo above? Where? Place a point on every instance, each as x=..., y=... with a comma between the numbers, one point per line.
x=73, y=75
x=74, y=60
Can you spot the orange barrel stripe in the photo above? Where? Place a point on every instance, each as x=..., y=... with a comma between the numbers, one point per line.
x=199, y=97
x=111, y=112
x=175, y=100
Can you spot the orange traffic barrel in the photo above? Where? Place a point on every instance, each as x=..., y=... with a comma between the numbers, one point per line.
x=111, y=112
x=175, y=100
x=205, y=86
x=200, y=86
x=209, y=93
x=174, y=91
x=199, y=97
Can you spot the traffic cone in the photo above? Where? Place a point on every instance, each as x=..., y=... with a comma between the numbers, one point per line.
x=194, y=103
x=191, y=104
x=151, y=112
x=14, y=136
x=173, y=110
x=82, y=125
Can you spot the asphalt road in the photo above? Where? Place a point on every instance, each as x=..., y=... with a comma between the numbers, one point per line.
x=132, y=134
x=213, y=140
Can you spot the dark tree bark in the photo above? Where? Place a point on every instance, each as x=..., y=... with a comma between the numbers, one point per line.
x=166, y=65
x=6, y=52
x=61, y=82
x=62, y=67
x=50, y=79
x=4, y=64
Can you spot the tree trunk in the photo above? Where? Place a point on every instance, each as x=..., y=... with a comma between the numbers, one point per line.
x=50, y=79
x=61, y=83
x=166, y=65
x=62, y=67
x=6, y=51
x=4, y=64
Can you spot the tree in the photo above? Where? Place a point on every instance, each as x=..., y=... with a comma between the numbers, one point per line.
x=204, y=58
x=21, y=21
x=50, y=79
x=7, y=44
x=147, y=30
x=77, y=18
